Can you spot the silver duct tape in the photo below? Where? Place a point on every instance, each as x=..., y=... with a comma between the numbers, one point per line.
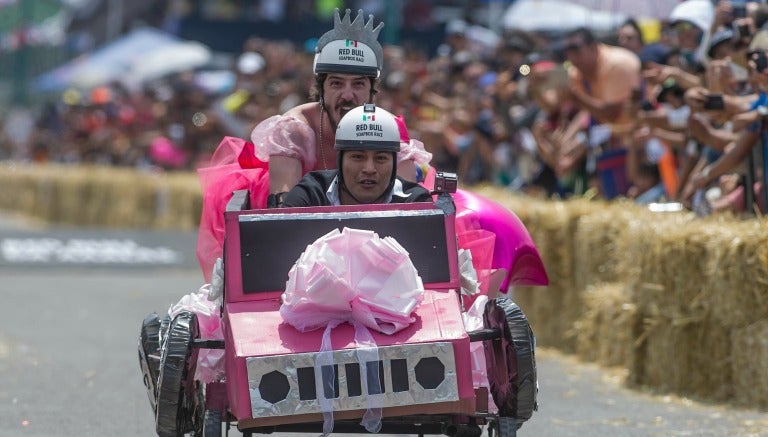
x=291, y=404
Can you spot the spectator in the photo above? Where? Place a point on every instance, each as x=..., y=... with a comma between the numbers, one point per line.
x=602, y=82
x=693, y=21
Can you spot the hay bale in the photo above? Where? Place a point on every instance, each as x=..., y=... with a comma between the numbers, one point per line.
x=672, y=267
x=749, y=364
x=684, y=354
x=599, y=242
x=179, y=202
x=554, y=307
x=739, y=279
x=22, y=197
x=604, y=331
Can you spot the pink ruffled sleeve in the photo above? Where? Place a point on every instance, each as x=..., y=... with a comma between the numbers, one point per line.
x=414, y=149
x=285, y=136
x=410, y=148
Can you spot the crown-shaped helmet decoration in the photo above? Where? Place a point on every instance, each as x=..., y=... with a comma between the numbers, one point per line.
x=348, y=29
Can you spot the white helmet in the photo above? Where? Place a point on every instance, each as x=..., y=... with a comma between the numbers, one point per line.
x=368, y=128
x=350, y=47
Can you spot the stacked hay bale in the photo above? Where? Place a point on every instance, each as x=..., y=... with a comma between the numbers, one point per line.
x=679, y=300
x=680, y=348
x=101, y=196
x=737, y=292
x=603, y=331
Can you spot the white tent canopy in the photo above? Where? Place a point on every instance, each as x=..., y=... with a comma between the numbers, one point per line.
x=658, y=9
x=141, y=55
x=557, y=15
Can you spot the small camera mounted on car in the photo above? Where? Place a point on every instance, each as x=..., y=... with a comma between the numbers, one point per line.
x=445, y=183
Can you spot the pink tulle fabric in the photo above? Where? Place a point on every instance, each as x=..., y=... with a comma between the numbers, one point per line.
x=473, y=321
x=414, y=150
x=234, y=166
x=210, y=362
x=288, y=136
x=285, y=136
x=480, y=243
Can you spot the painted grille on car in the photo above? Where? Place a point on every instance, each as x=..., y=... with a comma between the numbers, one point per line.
x=410, y=374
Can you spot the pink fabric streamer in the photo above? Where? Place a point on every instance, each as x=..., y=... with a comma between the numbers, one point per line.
x=234, y=166
x=352, y=276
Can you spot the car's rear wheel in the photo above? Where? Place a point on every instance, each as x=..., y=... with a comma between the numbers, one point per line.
x=176, y=391
x=212, y=423
x=511, y=363
x=502, y=427
x=149, y=355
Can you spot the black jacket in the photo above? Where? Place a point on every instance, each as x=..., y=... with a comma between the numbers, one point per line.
x=311, y=191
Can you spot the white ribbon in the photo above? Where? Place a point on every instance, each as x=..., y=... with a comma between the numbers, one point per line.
x=367, y=352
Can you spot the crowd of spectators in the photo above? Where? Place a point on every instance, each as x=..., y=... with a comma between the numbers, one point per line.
x=609, y=115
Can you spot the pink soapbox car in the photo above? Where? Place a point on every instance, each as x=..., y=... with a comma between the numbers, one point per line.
x=277, y=379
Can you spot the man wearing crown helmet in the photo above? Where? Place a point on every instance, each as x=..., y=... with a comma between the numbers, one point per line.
x=347, y=64
x=367, y=142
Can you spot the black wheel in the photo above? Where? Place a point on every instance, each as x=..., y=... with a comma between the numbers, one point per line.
x=212, y=424
x=149, y=355
x=178, y=396
x=506, y=427
x=511, y=363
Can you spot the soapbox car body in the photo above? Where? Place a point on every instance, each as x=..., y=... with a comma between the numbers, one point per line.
x=274, y=380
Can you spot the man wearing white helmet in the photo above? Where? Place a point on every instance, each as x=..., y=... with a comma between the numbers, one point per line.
x=367, y=142
x=348, y=61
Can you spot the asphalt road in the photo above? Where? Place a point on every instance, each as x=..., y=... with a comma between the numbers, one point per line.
x=68, y=361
